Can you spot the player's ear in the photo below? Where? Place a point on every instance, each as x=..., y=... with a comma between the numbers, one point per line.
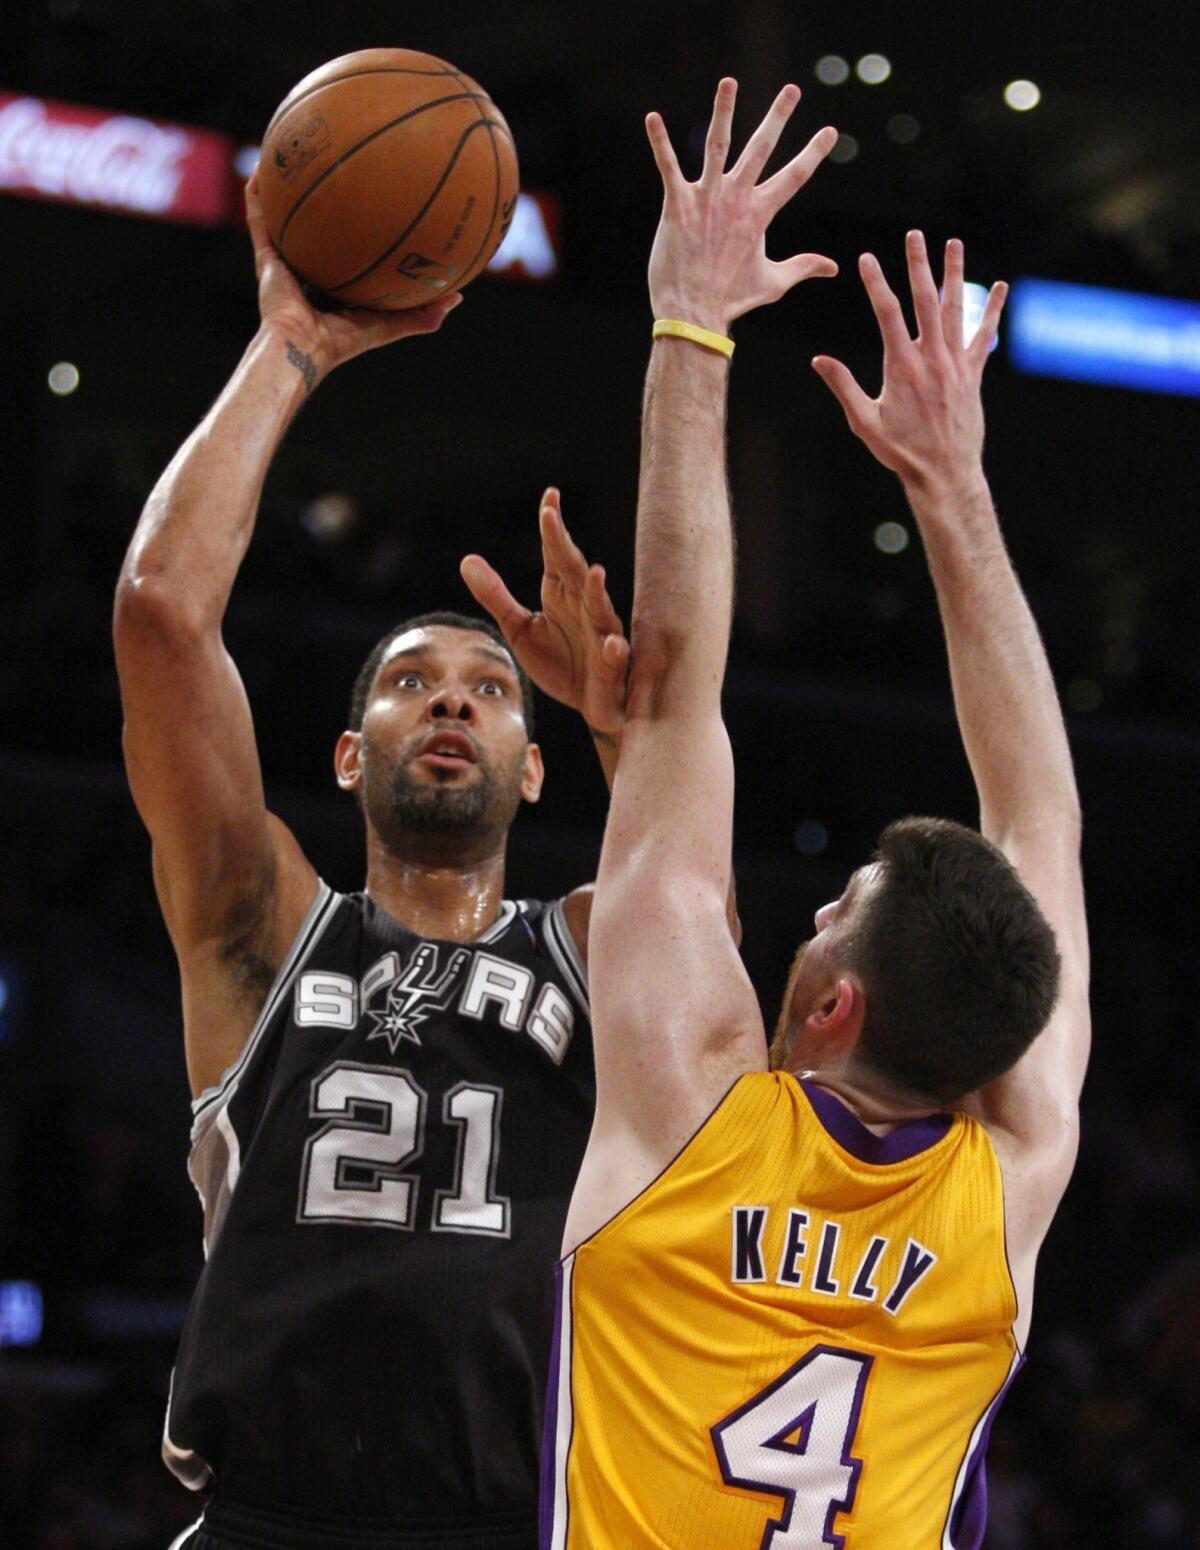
x=347, y=761
x=838, y=1016
x=533, y=773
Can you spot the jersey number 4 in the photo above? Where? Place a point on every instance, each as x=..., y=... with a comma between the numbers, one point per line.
x=357, y=1168
x=793, y=1439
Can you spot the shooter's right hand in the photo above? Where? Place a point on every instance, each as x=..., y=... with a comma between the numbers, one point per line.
x=326, y=339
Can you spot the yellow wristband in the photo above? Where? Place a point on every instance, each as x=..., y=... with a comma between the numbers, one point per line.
x=703, y=336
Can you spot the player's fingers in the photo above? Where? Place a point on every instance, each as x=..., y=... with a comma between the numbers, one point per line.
x=887, y=310
x=490, y=592
x=600, y=611
x=664, y=152
x=614, y=654
x=952, y=295
x=757, y=150
x=790, y=179
x=561, y=555
x=720, y=128
x=839, y=379
x=256, y=221
x=386, y=327
x=978, y=349
x=924, y=291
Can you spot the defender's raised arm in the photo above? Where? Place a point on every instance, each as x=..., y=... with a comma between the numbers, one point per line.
x=232, y=882
x=674, y=1012
x=927, y=426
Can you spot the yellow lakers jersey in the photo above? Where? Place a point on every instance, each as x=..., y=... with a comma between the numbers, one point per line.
x=795, y=1338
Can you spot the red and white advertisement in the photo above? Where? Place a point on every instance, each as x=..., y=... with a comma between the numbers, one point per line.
x=56, y=150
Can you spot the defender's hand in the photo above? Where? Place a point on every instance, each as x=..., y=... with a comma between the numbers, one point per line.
x=709, y=262
x=574, y=649
x=325, y=339
x=927, y=423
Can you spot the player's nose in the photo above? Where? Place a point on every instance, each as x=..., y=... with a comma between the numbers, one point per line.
x=823, y=916
x=450, y=703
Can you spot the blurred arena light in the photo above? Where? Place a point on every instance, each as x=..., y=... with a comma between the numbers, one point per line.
x=1089, y=333
x=1021, y=96
x=21, y=1313
x=891, y=538
x=530, y=249
x=873, y=69
x=974, y=301
x=845, y=150
x=902, y=128
x=63, y=378
x=1084, y=694
x=330, y=517
x=810, y=837
x=832, y=70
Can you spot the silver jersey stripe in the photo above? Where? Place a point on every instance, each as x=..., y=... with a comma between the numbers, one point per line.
x=319, y=913
x=508, y=913
x=184, y=1463
x=565, y=954
x=564, y=1418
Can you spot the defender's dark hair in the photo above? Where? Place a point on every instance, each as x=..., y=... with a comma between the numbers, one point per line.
x=361, y=692
x=959, y=964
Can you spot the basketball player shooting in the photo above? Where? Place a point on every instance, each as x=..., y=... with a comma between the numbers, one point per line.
x=393, y=1089
x=791, y=1299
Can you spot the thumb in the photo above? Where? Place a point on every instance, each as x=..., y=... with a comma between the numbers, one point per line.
x=490, y=592
x=839, y=379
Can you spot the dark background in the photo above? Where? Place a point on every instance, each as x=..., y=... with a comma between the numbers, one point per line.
x=838, y=698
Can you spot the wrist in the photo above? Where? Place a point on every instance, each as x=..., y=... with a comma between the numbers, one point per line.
x=688, y=310
x=294, y=353
x=950, y=490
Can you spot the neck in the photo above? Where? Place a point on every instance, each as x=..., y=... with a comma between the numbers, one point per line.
x=438, y=888
x=879, y=1107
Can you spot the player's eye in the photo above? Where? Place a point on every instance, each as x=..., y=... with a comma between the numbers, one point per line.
x=409, y=681
x=489, y=686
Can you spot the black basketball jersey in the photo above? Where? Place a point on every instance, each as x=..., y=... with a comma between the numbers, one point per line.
x=385, y=1173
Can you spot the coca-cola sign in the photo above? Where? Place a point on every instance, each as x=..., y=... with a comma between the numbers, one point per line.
x=55, y=150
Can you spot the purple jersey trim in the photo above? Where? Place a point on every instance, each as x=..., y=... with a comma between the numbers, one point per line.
x=907, y=1140
x=550, y=1422
x=969, y=1518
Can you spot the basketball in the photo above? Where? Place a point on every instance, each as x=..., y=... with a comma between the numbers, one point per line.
x=387, y=178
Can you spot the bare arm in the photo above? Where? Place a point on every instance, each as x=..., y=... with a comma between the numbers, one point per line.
x=927, y=425
x=232, y=881
x=675, y=1017
x=574, y=649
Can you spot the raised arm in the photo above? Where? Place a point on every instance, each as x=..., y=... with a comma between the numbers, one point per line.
x=232, y=881
x=927, y=426
x=674, y=1014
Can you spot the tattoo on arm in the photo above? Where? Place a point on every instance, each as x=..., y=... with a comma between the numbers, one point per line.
x=304, y=365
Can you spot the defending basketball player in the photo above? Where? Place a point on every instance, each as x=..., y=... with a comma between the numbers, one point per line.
x=791, y=1299
x=393, y=1088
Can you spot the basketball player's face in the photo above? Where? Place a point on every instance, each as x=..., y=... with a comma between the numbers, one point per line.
x=816, y=968
x=444, y=749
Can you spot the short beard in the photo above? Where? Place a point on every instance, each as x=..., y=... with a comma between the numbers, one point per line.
x=398, y=807
x=783, y=1040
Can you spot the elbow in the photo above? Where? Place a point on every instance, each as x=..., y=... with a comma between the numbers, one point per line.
x=149, y=607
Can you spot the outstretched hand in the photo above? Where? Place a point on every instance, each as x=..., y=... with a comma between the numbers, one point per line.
x=575, y=648
x=927, y=423
x=709, y=262
x=327, y=339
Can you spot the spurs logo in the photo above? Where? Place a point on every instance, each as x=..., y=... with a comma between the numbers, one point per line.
x=415, y=993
